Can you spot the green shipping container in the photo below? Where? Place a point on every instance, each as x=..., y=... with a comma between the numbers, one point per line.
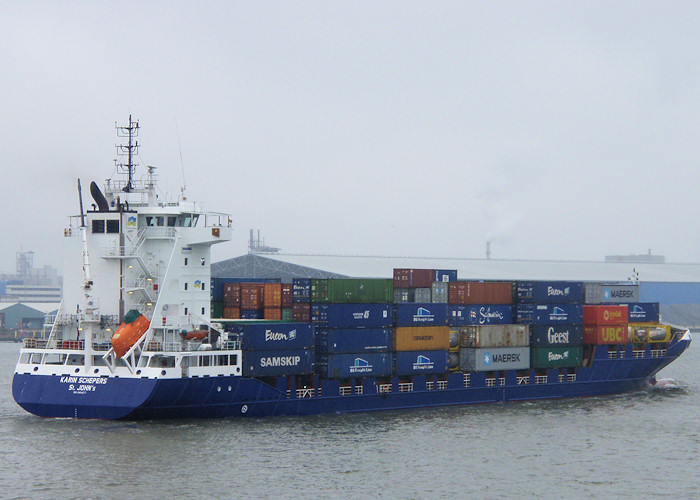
x=319, y=290
x=556, y=357
x=287, y=314
x=217, y=309
x=360, y=290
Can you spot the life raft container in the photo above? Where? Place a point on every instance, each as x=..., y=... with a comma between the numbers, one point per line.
x=135, y=325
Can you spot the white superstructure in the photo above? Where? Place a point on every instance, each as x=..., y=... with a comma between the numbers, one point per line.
x=134, y=251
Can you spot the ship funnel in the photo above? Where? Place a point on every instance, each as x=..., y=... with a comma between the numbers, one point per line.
x=99, y=198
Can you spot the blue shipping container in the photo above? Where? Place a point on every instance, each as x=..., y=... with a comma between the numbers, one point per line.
x=355, y=340
x=489, y=314
x=276, y=363
x=301, y=290
x=550, y=314
x=356, y=365
x=252, y=314
x=445, y=275
x=352, y=315
x=556, y=335
x=643, y=312
x=417, y=362
x=273, y=336
x=549, y=292
x=421, y=314
x=456, y=315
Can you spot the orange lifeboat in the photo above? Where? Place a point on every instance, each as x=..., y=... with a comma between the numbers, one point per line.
x=129, y=332
x=196, y=335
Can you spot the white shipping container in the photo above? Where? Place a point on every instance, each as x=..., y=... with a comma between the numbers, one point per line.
x=601, y=293
x=495, y=336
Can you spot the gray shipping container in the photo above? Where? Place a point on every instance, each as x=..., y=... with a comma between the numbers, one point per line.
x=456, y=335
x=601, y=293
x=492, y=359
x=440, y=292
x=423, y=295
x=495, y=336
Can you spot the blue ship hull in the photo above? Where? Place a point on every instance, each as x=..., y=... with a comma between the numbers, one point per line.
x=215, y=397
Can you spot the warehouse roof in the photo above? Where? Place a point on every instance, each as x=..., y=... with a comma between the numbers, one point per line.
x=382, y=267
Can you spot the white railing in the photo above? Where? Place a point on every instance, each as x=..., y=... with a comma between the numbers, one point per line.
x=571, y=377
x=467, y=380
x=345, y=390
x=383, y=388
x=638, y=353
x=442, y=385
x=561, y=378
x=524, y=380
x=429, y=386
x=490, y=382
x=406, y=387
x=303, y=393
x=540, y=379
x=612, y=354
x=501, y=381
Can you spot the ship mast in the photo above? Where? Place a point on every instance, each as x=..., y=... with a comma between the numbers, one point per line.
x=131, y=131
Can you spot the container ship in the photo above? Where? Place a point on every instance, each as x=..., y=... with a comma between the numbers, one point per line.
x=144, y=332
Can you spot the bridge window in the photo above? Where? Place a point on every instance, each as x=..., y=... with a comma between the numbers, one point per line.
x=172, y=220
x=112, y=226
x=98, y=226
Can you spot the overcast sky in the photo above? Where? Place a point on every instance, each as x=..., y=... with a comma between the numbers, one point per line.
x=556, y=130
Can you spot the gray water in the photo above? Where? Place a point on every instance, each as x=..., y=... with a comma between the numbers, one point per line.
x=641, y=444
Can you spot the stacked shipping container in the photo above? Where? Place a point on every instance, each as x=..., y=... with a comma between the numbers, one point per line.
x=554, y=312
x=435, y=324
x=353, y=318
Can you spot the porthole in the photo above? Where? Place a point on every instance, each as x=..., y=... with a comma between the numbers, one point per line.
x=218, y=389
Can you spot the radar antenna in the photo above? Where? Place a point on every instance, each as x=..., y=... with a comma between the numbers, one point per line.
x=130, y=150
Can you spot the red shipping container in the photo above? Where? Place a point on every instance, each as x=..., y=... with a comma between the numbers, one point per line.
x=272, y=313
x=232, y=294
x=287, y=295
x=272, y=295
x=457, y=292
x=402, y=278
x=605, y=334
x=605, y=315
x=301, y=312
x=232, y=313
x=413, y=278
x=480, y=292
x=252, y=295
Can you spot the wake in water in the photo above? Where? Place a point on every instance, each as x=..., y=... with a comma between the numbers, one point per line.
x=668, y=386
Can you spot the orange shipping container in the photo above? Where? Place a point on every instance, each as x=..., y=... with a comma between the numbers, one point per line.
x=232, y=313
x=416, y=338
x=273, y=313
x=272, y=295
x=605, y=334
x=252, y=295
